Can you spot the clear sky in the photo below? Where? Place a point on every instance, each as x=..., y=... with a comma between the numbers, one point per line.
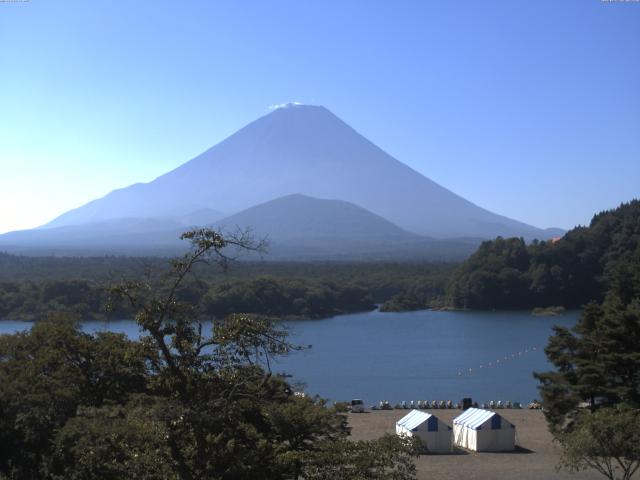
x=528, y=108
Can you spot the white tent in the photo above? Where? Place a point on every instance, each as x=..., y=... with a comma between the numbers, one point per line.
x=483, y=431
x=435, y=434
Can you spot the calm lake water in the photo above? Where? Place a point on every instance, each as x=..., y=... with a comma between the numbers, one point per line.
x=409, y=356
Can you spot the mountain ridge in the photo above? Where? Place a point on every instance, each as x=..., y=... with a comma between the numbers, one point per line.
x=297, y=227
x=298, y=215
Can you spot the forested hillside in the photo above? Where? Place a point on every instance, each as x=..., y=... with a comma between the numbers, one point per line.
x=33, y=287
x=576, y=269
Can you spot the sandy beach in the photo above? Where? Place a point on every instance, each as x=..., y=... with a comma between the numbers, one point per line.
x=535, y=458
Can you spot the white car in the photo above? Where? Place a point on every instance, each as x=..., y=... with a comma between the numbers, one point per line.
x=357, y=406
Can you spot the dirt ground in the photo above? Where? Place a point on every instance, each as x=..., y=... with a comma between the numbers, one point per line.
x=534, y=459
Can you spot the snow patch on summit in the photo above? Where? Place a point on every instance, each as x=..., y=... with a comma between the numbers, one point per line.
x=284, y=105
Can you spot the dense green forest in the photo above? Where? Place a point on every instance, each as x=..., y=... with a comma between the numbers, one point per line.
x=501, y=274
x=569, y=272
x=31, y=287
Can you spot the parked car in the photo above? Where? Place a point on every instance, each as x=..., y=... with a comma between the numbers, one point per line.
x=357, y=405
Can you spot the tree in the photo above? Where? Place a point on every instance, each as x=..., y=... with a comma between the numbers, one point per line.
x=190, y=400
x=598, y=367
x=113, y=442
x=387, y=458
x=222, y=412
x=607, y=441
x=46, y=374
x=596, y=362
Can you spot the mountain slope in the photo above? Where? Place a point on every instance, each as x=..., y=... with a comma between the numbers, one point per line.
x=297, y=227
x=300, y=217
x=308, y=150
x=127, y=235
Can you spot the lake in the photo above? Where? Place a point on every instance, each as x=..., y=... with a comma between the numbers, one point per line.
x=423, y=355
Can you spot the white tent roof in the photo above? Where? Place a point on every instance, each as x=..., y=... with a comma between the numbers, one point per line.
x=474, y=418
x=413, y=419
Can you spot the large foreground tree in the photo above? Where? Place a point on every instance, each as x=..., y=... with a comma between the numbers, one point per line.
x=190, y=400
x=607, y=441
x=598, y=361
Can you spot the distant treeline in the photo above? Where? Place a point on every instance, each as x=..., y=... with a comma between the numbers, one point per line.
x=570, y=272
x=501, y=274
x=35, y=287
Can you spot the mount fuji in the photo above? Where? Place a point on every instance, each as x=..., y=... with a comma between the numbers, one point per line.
x=295, y=152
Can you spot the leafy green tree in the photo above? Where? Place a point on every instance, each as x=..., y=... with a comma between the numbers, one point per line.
x=388, y=458
x=597, y=362
x=607, y=441
x=46, y=374
x=113, y=442
x=223, y=414
x=188, y=401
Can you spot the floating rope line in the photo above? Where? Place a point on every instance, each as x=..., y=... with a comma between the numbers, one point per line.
x=499, y=361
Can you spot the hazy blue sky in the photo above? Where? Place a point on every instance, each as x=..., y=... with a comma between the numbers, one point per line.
x=528, y=108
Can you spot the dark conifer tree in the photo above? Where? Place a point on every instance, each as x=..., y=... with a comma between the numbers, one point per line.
x=598, y=361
